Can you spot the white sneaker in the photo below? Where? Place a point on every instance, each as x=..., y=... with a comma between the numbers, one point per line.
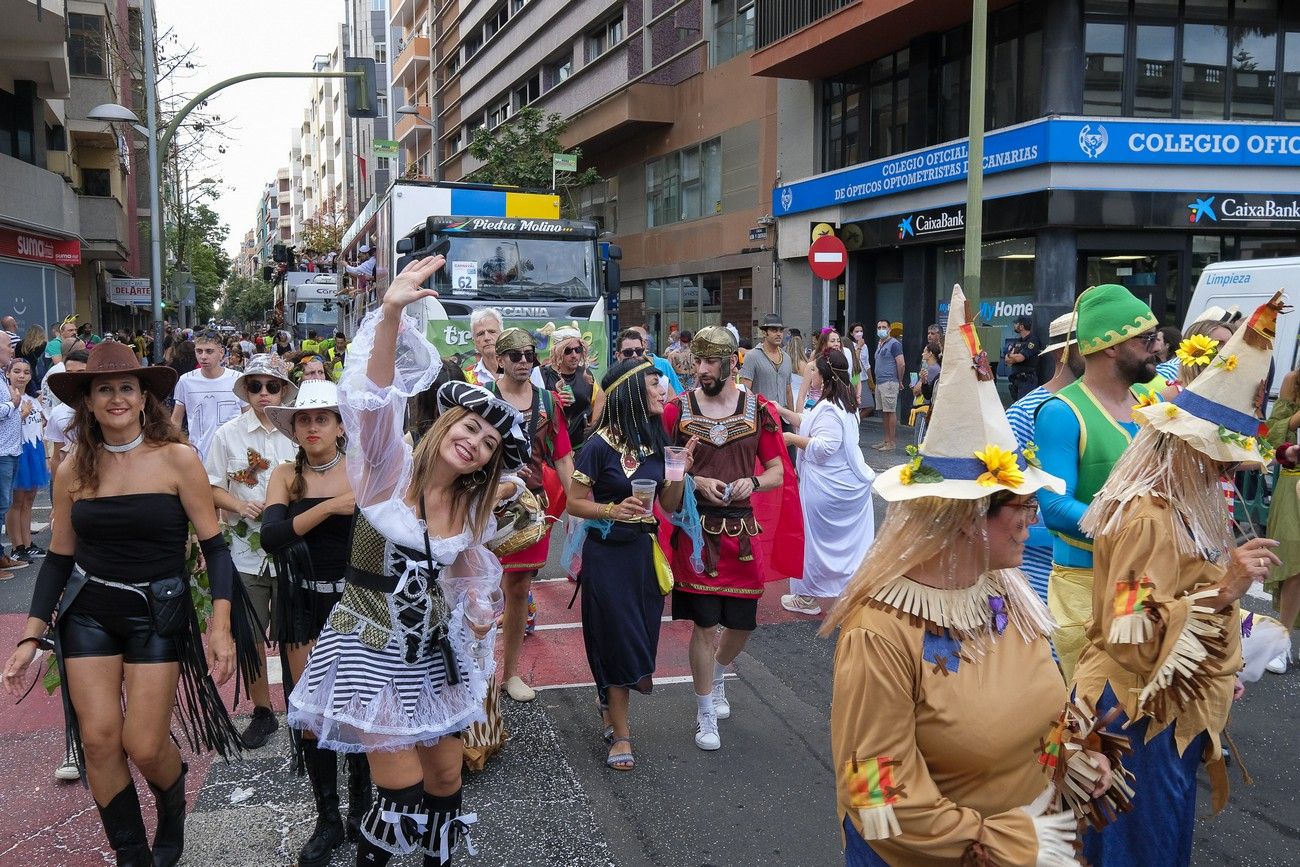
x=67, y=771
x=800, y=604
x=706, y=731
x=1277, y=664
x=721, y=707
x=518, y=690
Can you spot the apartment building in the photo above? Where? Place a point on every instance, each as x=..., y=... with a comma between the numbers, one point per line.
x=1129, y=141
x=268, y=230
x=68, y=185
x=660, y=99
x=366, y=26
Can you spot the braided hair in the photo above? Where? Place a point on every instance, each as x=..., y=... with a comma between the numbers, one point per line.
x=833, y=368
x=625, y=411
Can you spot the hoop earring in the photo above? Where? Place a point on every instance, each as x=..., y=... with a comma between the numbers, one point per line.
x=142, y=421
x=477, y=479
x=341, y=443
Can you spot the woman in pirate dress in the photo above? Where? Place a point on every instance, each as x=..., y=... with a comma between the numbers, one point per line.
x=944, y=681
x=397, y=671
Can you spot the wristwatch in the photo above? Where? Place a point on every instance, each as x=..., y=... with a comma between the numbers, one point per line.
x=754, y=481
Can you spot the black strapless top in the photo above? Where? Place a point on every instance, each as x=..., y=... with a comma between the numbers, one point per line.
x=327, y=542
x=130, y=537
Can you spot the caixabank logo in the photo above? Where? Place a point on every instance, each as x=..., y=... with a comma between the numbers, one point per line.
x=931, y=222
x=1243, y=208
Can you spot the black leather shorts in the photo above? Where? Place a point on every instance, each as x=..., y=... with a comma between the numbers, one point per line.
x=107, y=621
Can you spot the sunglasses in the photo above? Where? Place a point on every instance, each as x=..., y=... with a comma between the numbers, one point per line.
x=573, y=350
x=514, y=356
x=254, y=386
x=1149, y=338
x=632, y=353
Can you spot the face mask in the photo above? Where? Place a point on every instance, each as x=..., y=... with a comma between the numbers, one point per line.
x=882, y=332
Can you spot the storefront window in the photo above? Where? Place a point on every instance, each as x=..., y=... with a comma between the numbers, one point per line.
x=1254, y=68
x=1103, y=77
x=1154, y=88
x=1291, y=77
x=1205, y=52
x=689, y=302
x=1006, y=279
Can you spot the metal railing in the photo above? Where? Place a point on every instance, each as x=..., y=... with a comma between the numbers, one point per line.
x=777, y=19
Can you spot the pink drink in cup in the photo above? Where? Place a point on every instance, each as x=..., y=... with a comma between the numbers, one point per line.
x=674, y=464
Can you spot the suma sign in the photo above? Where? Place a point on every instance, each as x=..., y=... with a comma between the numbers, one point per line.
x=39, y=248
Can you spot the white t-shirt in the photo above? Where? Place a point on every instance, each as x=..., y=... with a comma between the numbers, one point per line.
x=33, y=423
x=246, y=347
x=209, y=403
x=58, y=425
x=47, y=396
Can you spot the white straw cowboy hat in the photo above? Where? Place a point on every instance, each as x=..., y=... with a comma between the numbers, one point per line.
x=969, y=450
x=265, y=364
x=1216, y=413
x=1061, y=333
x=314, y=394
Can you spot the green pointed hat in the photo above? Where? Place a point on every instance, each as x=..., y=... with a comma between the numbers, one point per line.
x=1108, y=315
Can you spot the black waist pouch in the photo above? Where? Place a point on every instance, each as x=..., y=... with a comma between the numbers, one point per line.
x=169, y=605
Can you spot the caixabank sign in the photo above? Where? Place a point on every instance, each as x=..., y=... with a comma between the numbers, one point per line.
x=1225, y=208
x=1104, y=141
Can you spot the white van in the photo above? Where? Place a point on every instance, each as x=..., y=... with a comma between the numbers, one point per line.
x=1246, y=285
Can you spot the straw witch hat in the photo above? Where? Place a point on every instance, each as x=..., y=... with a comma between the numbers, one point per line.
x=1216, y=413
x=969, y=450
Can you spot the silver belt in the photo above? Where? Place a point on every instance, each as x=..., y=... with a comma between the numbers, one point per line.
x=323, y=586
x=117, y=585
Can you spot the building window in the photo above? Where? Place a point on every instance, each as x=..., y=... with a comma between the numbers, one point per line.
x=381, y=164
x=96, y=182
x=733, y=29
x=1153, y=86
x=473, y=43
x=87, y=50
x=495, y=22
x=684, y=185
x=604, y=38
x=528, y=91
x=516, y=5
x=1103, y=76
x=381, y=104
x=381, y=52
x=498, y=114
x=453, y=66
x=865, y=113
x=1254, y=72
x=1205, y=79
x=17, y=133
x=557, y=71
x=134, y=29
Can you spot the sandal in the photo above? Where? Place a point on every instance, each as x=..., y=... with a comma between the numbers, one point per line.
x=623, y=761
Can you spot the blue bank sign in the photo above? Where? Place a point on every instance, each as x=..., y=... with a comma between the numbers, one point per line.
x=1052, y=140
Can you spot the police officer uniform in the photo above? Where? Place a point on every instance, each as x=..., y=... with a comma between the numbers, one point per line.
x=1024, y=376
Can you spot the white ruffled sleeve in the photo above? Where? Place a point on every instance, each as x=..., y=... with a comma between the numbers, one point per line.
x=379, y=458
x=825, y=435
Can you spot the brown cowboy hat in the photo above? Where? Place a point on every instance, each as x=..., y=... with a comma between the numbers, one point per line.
x=111, y=357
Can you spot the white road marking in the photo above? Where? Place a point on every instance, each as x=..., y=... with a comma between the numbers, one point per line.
x=659, y=681
x=578, y=625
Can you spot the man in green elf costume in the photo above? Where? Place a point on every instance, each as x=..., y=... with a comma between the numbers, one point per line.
x=1080, y=432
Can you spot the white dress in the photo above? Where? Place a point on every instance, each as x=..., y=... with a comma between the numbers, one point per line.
x=375, y=679
x=839, y=523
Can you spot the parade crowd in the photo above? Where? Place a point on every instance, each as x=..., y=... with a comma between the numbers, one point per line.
x=1036, y=650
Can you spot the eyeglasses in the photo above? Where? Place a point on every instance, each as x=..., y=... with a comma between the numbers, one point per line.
x=254, y=386
x=517, y=355
x=632, y=353
x=1030, y=506
x=1148, y=338
x=573, y=350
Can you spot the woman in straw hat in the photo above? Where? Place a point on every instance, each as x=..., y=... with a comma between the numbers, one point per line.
x=945, y=687
x=404, y=662
x=122, y=509
x=622, y=600
x=1164, y=642
x=306, y=528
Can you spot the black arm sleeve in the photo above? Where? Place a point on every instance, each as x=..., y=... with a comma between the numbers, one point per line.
x=277, y=529
x=221, y=569
x=50, y=582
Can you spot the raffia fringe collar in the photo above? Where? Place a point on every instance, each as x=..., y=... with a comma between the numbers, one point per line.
x=970, y=611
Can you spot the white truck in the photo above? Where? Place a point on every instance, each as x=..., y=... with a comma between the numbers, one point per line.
x=310, y=304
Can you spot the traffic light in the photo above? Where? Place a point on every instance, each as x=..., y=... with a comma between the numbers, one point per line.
x=360, y=95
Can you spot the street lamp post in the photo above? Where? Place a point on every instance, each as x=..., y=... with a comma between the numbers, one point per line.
x=975, y=154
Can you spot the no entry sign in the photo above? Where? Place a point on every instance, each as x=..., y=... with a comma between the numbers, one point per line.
x=827, y=257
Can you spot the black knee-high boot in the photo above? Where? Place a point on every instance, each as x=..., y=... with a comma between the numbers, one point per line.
x=124, y=827
x=360, y=795
x=169, y=839
x=401, y=833
x=448, y=828
x=323, y=770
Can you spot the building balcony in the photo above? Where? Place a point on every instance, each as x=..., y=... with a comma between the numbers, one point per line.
x=816, y=39
x=631, y=110
x=34, y=46
x=103, y=228
x=413, y=55
x=408, y=123
x=86, y=94
x=38, y=198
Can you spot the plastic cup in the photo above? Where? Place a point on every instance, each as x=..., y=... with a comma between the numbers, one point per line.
x=674, y=464
x=644, y=490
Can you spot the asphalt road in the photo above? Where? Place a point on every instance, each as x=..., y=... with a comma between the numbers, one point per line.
x=765, y=798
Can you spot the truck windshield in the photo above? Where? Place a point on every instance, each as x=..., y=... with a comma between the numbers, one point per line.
x=319, y=316
x=497, y=267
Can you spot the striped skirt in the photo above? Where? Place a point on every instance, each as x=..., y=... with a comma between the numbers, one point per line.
x=363, y=690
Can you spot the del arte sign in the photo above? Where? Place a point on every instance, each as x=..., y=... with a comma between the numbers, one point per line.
x=1110, y=141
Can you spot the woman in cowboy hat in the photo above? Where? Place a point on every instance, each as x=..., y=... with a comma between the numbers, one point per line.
x=122, y=508
x=305, y=528
x=1164, y=641
x=404, y=662
x=944, y=680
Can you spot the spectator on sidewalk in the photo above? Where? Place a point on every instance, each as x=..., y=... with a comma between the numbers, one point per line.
x=11, y=446
x=770, y=371
x=205, y=398
x=889, y=369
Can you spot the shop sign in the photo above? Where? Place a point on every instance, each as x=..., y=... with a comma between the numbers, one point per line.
x=1206, y=210
x=925, y=224
x=1108, y=141
x=39, y=248
x=998, y=311
x=130, y=291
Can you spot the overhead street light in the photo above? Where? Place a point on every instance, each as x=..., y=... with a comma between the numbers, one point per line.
x=111, y=112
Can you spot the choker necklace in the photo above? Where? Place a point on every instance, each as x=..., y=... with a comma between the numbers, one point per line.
x=328, y=465
x=125, y=447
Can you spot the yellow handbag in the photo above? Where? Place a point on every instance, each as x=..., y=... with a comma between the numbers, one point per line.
x=663, y=571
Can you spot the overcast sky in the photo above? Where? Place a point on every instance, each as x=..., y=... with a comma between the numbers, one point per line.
x=238, y=36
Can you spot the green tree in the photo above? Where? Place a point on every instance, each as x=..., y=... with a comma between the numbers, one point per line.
x=247, y=299
x=195, y=241
x=518, y=153
x=323, y=233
